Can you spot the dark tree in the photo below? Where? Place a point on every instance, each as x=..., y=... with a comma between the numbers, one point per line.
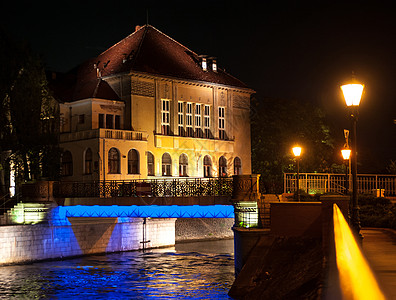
x=279, y=124
x=29, y=115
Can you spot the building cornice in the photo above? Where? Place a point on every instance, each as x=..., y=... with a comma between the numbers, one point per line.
x=182, y=81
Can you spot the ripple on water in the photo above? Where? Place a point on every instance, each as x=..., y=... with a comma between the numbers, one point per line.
x=161, y=274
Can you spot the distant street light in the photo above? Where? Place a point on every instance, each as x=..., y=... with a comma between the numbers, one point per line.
x=297, y=154
x=352, y=94
x=346, y=153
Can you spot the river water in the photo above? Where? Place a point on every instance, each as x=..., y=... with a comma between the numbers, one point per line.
x=200, y=270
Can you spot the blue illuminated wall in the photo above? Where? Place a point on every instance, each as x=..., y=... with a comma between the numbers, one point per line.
x=152, y=211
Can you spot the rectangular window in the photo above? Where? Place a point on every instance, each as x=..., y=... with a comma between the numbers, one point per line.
x=207, y=121
x=189, y=120
x=101, y=121
x=198, y=118
x=180, y=115
x=117, y=122
x=222, y=123
x=165, y=117
x=109, y=121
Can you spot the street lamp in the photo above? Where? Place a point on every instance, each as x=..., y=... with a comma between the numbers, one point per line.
x=352, y=94
x=346, y=153
x=297, y=154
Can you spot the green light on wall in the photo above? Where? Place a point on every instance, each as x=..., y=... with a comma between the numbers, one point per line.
x=28, y=213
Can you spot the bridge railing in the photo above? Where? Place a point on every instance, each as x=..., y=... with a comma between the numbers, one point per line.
x=187, y=187
x=320, y=183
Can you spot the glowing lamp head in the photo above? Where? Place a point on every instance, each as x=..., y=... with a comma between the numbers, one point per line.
x=297, y=151
x=346, y=153
x=352, y=93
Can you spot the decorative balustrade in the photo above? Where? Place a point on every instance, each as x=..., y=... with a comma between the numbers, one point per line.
x=145, y=188
x=104, y=133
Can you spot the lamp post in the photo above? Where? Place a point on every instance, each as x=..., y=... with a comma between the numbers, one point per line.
x=352, y=94
x=297, y=154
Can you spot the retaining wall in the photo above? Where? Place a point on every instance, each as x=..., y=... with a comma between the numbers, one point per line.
x=81, y=236
x=188, y=229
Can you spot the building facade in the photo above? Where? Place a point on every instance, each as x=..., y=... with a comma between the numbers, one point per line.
x=149, y=107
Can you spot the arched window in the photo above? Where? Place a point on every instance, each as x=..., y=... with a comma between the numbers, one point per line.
x=222, y=167
x=67, y=164
x=207, y=163
x=237, y=166
x=114, y=161
x=166, y=165
x=133, y=162
x=88, y=161
x=183, y=165
x=150, y=164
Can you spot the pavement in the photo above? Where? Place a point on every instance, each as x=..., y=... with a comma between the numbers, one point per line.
x=379, y=247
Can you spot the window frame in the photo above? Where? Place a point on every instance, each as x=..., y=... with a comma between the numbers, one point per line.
x=88, y=162
x=222, y=135
x=166, y=166
x=165, y=116
x=133, y=162
x=114, y=161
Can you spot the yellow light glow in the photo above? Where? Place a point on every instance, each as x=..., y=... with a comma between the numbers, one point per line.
x=297, y=151
x=346, y=153
x=356, y=278
x=352, y=93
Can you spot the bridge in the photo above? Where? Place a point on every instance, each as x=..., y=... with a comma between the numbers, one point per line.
x=127, y=216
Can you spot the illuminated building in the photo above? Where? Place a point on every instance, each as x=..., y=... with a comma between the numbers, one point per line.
x=149, y=107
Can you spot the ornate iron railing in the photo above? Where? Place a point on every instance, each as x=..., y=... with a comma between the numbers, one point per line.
x=145, y=188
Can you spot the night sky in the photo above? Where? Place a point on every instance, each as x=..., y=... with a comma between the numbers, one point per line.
x=282, y=49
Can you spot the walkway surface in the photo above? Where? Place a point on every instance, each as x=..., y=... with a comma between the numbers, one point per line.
x=379, y=246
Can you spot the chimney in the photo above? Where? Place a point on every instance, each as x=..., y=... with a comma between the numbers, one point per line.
x=137, y=27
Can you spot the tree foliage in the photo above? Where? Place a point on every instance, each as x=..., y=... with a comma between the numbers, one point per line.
x=278, y=125
x=29, y=114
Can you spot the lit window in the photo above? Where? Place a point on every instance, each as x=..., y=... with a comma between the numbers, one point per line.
x=180, y=114
x=204, y=64
x=207, y=121
x=133, y=162
x=198, y=123
x=166, y=165
x=214, y=65
x=114, y=161
x=183, y=165
x=189, y=120
x=222, y=123
x=165, y=117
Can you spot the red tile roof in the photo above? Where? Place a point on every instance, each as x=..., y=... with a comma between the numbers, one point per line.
x=147, y=50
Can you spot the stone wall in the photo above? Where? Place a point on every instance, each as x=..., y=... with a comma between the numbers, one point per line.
x=24, y=243
x=189, y=229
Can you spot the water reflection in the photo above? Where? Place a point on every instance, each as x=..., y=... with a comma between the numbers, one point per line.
x=202, y=270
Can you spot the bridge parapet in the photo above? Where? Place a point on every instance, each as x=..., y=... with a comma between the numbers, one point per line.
x=176, y=187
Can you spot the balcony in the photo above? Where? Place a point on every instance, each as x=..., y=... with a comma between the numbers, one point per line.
x=104, y=133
